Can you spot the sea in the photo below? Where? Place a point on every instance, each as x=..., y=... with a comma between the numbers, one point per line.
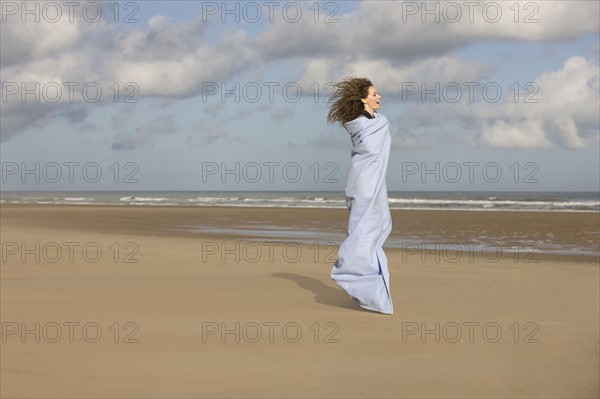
x=438, y=200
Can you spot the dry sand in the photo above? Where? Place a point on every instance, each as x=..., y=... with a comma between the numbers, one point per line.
x=170, y=309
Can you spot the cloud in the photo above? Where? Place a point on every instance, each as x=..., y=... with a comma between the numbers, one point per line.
x=404, y=31
x=211, y=132
x=207, y=136
x=405, y=139
x=530, y=21
x=27, y=42
x=164, y=39
x=398, y=79
x=171, y=59
x=249, y=111
x=185, y=76
x=563, y=112
x=566, y=114
x=120, y=119
x=165, y=59
x=523, y=134
x=142, y=136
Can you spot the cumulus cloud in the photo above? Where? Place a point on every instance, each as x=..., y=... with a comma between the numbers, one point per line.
x=563, y=112
x=404, y=30
x=529, y=21
x=525, y=133
x=397, y=79
x=565, y=115
x=171, y=59
x=164, y=59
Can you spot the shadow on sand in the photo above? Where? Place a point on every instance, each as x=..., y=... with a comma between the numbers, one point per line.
x=323, y=293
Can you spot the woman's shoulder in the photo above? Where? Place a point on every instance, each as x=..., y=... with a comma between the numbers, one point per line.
x=380, y=117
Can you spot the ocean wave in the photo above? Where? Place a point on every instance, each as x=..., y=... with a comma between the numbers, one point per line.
x=476, y=201
x=143, y=199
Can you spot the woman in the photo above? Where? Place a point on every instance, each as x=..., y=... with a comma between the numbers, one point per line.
x=361, y=268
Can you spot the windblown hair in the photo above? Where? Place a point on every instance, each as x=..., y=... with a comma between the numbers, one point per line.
x=345, y=99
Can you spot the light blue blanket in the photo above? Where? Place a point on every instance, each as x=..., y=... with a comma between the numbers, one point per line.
x=362, y=267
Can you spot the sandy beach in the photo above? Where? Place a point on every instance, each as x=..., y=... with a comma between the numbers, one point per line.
x=131, y=301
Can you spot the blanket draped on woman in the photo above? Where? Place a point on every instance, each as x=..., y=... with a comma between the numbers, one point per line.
x=361, y=268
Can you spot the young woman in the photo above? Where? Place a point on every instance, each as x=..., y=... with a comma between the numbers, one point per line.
x=361, y=268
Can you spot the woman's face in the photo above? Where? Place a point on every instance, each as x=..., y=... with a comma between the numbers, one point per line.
x=371, y=102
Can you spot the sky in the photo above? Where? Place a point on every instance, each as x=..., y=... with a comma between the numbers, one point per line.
x=191, y=95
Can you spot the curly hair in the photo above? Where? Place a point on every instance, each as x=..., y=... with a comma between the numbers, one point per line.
x=345, y=99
